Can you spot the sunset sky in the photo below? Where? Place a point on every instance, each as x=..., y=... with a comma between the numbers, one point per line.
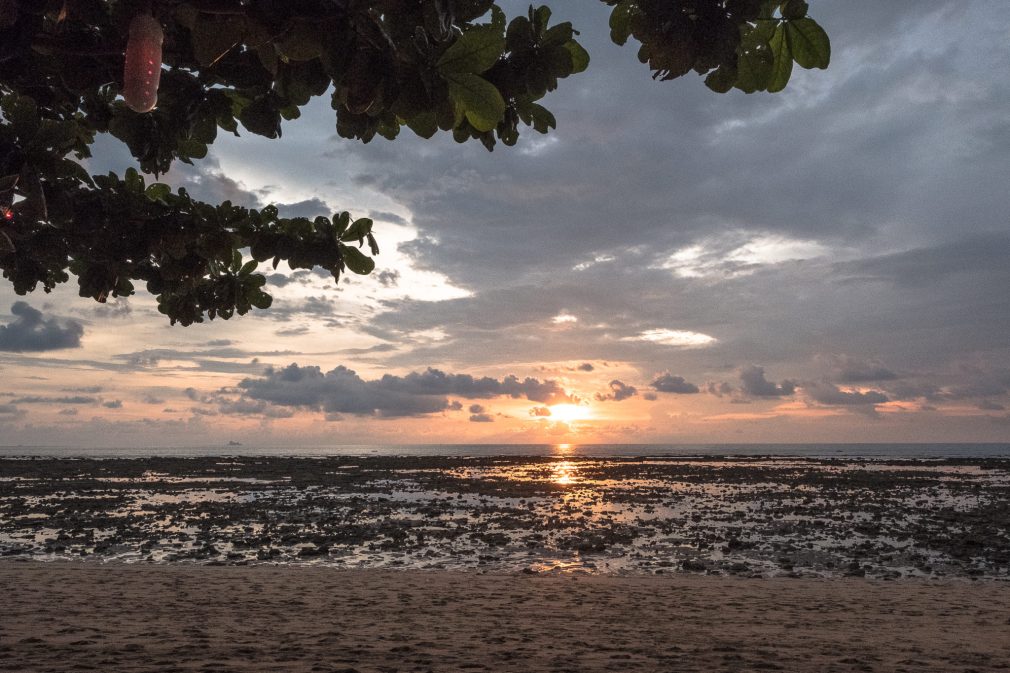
x=827, y=264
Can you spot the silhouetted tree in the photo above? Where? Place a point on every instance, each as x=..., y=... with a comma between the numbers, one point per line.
x=165, y=76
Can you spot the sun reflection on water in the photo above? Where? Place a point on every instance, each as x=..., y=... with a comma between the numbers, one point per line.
x=564, y=473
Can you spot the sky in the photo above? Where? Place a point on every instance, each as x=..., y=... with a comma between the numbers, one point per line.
x=671, y=265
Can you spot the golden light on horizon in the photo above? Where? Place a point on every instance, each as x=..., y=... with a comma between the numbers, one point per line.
x=566, y=413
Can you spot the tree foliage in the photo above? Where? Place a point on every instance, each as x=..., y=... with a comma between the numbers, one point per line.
x=454, y=66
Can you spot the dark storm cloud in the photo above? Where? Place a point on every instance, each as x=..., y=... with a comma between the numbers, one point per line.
x=31, y=331
x=668, y=383
x=342, y=391
x=618, y=391
x=754, y=383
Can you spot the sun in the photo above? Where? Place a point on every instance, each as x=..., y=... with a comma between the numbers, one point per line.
x=566, y=413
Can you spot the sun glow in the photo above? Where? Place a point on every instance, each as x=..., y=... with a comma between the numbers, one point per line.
x=567, y=413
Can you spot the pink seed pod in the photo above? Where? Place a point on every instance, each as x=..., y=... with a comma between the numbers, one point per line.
x=143, y=63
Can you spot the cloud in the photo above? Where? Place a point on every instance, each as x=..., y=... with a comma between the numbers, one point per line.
x=540, y=412
x=481, y=418
x=754, y=383
x=385, y=216
x=618, y=391
x=246, y=407
x=477, y=409
x=674, y=337
x=585, y=367
x=388, y=278
x=309, y=208
x=31, y=331
x=668, y=383
x=113, y=404
x=719, y=389
x=832, y=395
x=847, y=369
x=342, y=391
x=39, y=399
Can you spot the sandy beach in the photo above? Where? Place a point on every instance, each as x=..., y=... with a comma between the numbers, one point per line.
x=82, y=616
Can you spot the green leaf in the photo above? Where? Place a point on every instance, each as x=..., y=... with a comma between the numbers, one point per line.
x=721, y=79
x=358, y=230
x=620, y=23
x=782, y=67
x=340, y=222
x=795, y=9
x=357, y=261
x=214, y=36
x=481, y=101
x=262, y=118
x=808, y=43
x=248, y=268
x=301, y=42
x=158, y=191
x=261, y=299
x=754, y=60
x=424, y=124
x=475, y=51
x=580, y=57
x=21, y=112
x=542, y=118
x=134, y=181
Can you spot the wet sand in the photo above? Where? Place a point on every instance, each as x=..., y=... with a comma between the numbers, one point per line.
x=66, y=616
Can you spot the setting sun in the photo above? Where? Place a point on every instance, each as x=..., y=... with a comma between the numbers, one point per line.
x=567, y=413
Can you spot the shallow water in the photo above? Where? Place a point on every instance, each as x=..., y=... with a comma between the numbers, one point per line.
x=749, y=516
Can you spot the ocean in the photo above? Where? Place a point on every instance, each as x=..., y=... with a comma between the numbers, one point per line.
x=813, y=450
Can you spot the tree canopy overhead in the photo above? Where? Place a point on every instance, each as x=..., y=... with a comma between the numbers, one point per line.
x=453, y=66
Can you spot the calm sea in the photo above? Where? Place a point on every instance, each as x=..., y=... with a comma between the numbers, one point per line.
x=598, y=450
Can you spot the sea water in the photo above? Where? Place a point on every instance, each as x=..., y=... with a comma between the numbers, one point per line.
x=891, y=450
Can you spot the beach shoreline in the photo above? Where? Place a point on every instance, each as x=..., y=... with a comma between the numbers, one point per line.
x=61, y=616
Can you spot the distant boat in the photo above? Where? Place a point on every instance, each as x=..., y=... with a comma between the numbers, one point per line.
x=234, y=443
